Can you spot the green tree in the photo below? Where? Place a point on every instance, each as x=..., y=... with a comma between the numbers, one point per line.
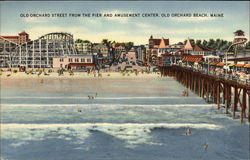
x=78, y=41
x=180, y=43
x=204, y=43
x=129, y=45
x=248, y=45
x=211, y=43
x=86, y=41
x=198, y=41
x=106, y=42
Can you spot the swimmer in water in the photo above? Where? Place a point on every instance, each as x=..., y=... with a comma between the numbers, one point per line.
x=91, y=97
x=188, y=132
x=205, y=146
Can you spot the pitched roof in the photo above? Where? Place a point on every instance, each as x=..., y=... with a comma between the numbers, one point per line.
x=158, y=41
x=239, y=32
x=188, y=45
x=120, y=44
x=162, y=43
x=192, y=58
x=201, y=48
x=23, y=33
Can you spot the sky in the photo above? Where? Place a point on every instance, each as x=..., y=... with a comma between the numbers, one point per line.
x=135, y=29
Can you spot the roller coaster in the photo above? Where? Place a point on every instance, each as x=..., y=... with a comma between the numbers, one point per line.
x=38, y=53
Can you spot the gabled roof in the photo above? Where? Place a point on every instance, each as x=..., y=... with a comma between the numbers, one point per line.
x=158, y=41
x=200, y=48
x=188, y=45
x=162, y=43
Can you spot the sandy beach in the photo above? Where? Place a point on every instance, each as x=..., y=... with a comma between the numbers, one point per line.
x=77, y=75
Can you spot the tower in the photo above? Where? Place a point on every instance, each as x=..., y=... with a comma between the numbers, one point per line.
x=239, y=43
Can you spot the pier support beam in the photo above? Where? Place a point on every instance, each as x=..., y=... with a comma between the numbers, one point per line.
x=218, y=95
x=244, y=105
x=235, y=100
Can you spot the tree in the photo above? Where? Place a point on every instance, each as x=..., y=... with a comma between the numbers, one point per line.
x=248, y=45
x=211, y=43
x=180, y=43
x=78, y=40
x=106, y=42
x=86, y=41
x=81, y=41
x=198, y=41
x=129, y=45
x=204, y=43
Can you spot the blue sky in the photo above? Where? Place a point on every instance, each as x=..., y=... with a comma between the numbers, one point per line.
x=138, y=30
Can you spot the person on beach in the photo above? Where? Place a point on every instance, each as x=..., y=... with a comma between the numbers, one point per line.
x=41, y=81
x=185, y=93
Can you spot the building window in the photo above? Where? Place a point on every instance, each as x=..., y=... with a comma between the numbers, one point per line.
x=70, y=60
x=88, y=60
x=61, y=59
x=82, y=60
x=76, y=60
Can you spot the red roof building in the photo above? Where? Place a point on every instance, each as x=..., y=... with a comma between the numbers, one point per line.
x=200, y=50
x=192, y=58
x=22, y=38
x=188, y=47
x=155, y=42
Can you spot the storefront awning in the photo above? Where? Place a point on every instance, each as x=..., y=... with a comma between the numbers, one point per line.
x=247, y=65
x=221, y=64
x=231, y=64
x=239, y=65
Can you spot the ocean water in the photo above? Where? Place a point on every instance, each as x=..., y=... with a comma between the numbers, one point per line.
x=130, y=119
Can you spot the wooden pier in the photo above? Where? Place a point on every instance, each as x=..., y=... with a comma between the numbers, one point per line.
x=225, y=93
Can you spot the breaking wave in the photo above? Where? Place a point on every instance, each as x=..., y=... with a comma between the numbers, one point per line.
x=101, y=98
x=107, y=105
